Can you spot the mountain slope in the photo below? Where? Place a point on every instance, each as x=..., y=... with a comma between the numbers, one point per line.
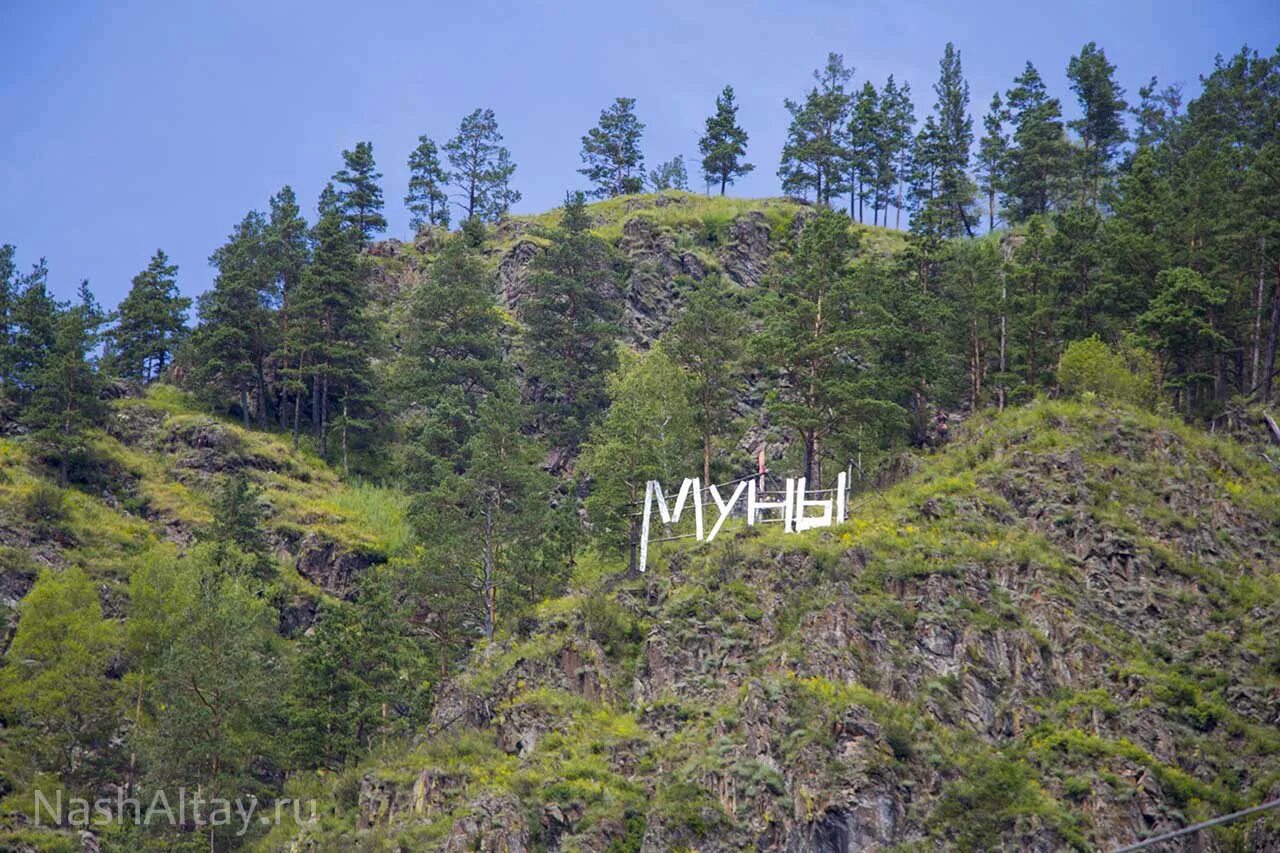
x=1059, y=632
x=150, y=483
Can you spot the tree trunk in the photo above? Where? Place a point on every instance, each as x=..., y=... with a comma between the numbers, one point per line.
x=1257, y=316
x=1004, y=293
x=991, y=210
x=810, y=450
x=706, y=441
x=244, y=406
x=297, y=405
x=490, y=600
x=1269, y=361
x=345, y=470
x=324, y=417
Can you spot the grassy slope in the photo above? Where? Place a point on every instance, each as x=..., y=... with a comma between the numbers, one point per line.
x=145, y=490
x=1107, y=579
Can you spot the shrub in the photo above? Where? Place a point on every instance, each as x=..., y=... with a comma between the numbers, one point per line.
x=44, y=506
x=1091, y=367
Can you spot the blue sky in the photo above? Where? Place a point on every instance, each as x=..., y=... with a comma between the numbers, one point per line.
x=137, y=124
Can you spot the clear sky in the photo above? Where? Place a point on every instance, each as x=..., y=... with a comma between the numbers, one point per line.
x=136, y=124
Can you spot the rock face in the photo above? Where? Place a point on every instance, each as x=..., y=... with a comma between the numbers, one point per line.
x=330, y=566
x=657, y=258
x=1028, y=652
x=656, y=264
x=746, y=258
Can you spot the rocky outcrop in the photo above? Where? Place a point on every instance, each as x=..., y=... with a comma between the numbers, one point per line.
x=513, y=272
x=332, y=567
x=746, y=258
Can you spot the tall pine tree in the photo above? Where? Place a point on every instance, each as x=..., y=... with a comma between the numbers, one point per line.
x=427, y=201
x=481, y=167
x=359, y=196
x=724, y=145
x=611, y=155
x=153, y=318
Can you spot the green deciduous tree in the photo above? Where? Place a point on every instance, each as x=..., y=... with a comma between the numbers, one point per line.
x=54, y=683
x=611, y=155
x=724, y=145
x=648, y=433
x=153, y=318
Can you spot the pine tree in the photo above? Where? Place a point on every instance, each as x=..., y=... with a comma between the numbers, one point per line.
x=954, y=138
x=334, y=333
x=354, y=672
x=812, y=340
x=33, y=329
x=153, y=319
x=1183, y=324
x=216, y=695
x=1101, y=127
x=570, y=322
x=64, y=398
x=724, y=145
x=287, y=255
x=9, y=292
x=1040, y=156
x=670, y=175
x=971, y=288
x=359, y=196
x=864, y=136
x=1156, y=113
x=893, y=145
x=816, y=149
x=488, y=525
x=993, y=155
x=1031, y=305
x=611, y=151
x=450, y=361
x=233, y=340
x=482, y=167
x=427, y=201
x=236, y=534
x=707, y=343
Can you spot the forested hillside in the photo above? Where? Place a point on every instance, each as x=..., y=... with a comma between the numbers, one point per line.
x=358, y=525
